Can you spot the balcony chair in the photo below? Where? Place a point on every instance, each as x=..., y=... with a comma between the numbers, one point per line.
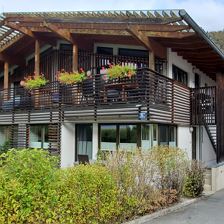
x=83, y=159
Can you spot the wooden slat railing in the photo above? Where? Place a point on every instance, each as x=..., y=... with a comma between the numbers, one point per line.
x=163, y=97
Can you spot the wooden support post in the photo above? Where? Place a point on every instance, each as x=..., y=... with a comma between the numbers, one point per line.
x=37, y=58
x=74, y=58
x=36, y=73
x=220, y=116
x=151, y=60
x=6, y=75
x=6, y=80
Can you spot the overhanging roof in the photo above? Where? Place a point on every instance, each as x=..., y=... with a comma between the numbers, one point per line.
x=170, y=28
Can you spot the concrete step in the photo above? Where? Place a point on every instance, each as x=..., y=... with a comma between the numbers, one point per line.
x=207, y=188
x=208, y=179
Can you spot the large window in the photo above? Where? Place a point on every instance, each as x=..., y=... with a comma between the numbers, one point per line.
x=128, y=137
x=167, y=135
x=105, y=50
x=180, y=75
x=133, y=52
x=118, y=136
x=108, y=137
x=131, y=136
x=39, y=136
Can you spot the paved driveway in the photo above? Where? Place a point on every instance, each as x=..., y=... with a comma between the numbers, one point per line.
x=206, y=211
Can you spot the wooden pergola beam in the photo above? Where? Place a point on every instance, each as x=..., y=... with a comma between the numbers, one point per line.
x=20, y=28
x=63, y=33
x=150, y=44
x=178, y=35
x=139, y=36
x=38, y=22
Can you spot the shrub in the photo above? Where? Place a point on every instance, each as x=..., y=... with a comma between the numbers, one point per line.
x=34, y=190
x=5, y=147
x=88, y=194
x=194, y=181
x=26, y=180
x=135, y=174
x=172, y=164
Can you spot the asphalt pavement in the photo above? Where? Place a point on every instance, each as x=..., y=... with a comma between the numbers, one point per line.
x=209, y=210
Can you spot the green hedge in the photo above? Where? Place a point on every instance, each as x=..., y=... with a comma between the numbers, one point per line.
x=34, y=190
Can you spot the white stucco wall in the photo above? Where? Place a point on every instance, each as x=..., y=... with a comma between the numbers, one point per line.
x=95, y=141
x=184, y=139
x=67, y=145
x=218, y=178
x=174, y=59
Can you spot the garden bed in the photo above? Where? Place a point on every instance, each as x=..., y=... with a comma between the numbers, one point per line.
x=34, y=190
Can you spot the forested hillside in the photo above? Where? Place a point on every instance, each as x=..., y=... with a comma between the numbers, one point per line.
x=218, y=37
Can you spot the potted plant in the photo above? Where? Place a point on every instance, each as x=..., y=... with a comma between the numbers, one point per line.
x=118, y=71
x=71, y=78
x=34, y=82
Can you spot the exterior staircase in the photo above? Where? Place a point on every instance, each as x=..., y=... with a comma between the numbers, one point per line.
x=212, y=134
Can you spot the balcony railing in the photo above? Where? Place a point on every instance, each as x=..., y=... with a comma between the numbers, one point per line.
x=162, y=98
x=203, y=101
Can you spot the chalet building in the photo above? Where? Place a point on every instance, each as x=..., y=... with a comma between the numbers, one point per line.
x=175, y=98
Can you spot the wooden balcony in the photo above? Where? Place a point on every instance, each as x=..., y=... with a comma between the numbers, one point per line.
x=158, y=97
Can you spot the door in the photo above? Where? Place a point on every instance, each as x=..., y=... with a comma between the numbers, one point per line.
x=84, y=140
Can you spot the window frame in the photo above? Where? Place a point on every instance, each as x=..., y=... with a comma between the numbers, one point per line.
x=180, y=74
x=42, y=137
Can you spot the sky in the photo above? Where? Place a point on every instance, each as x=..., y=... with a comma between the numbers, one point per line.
x=209, y=14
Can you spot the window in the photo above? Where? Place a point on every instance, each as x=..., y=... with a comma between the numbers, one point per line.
x=167, y=135
x=172, y=136
x=5, y=132
x=108, y=137
x=105, y=50
x=180, y=75
x=131, y=136
x=84, y=145
x=146, y=138
x=39, y=136
x=133, y=52
x=128, y=137
x=131, y=55
x=115, y=136
x=154, y=134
